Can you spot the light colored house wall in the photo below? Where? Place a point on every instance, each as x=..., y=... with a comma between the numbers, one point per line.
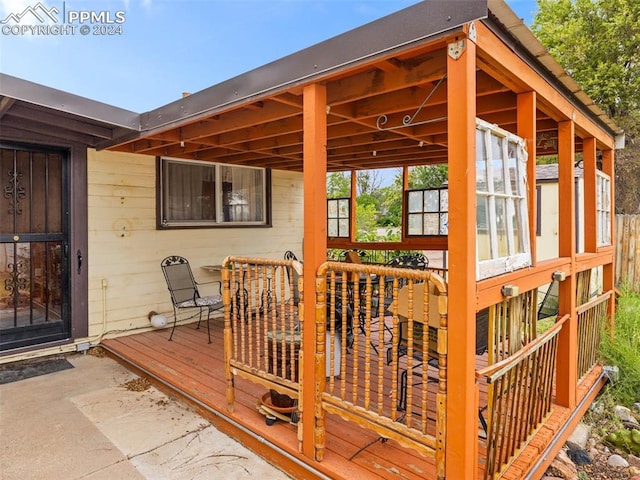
x=547, y=241
x=125, y=249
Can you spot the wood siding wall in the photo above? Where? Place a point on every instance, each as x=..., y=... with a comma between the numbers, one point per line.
x=627, y=243
x=125, y=249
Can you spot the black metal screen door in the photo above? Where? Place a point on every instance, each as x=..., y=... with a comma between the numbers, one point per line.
x=33, y=247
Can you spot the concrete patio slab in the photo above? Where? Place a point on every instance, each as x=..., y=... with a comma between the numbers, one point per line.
x=84, y=423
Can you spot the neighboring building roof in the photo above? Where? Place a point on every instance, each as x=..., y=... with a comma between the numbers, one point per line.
x=29, y=107
x=549, y=173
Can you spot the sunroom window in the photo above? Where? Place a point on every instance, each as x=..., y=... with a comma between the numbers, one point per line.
x=428, y=212
x=502, y=240
x=338, y=210
x=210, y=194
x=603, y=208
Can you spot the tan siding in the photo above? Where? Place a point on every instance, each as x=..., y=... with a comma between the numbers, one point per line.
x=125, y=249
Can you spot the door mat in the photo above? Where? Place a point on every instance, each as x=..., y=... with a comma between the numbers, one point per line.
x=13, y=372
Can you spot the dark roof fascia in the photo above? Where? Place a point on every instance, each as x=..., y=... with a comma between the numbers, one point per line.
x=530, y=59
x=58, y=100
x=425, y=20
x=548, y=173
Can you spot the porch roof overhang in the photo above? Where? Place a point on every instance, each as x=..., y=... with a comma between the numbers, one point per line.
x=376, y=76
x=32, y=111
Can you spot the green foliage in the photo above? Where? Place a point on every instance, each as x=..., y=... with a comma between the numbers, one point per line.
x=338, y=185
x=366, y=215
x=598, y=44
x=623, y=350
x=428, y=176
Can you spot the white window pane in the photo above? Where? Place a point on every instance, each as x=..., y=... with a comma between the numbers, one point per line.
x=332, y=208
x=501, y=227
x=343, y=227
x=514, y=176
x=242, y=194
x=481, y=163
x=431, y=201
x=444, y=224
x=482, y=213
x=518, y=234
x=497, y=164
x=415, y=224
x=332, y=227
x=415, y=202
x=343, y=208
x=444, y=200
x=431, y=223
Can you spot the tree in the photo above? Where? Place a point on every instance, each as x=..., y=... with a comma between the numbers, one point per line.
x=338, y=185
x=598, y=43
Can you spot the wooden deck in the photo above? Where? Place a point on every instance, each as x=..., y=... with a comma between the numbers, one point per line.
x=194, y=369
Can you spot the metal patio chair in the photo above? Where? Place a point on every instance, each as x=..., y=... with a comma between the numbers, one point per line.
x=184, y=291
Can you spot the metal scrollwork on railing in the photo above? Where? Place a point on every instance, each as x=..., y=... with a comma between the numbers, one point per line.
x=408, y=120
x=17, y=281
x=14, y=192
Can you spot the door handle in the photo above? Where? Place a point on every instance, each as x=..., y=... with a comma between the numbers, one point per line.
x=79, y=255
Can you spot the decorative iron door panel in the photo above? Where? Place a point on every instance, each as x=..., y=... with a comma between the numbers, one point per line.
x=34, y=303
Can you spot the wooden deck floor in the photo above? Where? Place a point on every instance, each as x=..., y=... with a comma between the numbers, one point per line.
x=195, y=370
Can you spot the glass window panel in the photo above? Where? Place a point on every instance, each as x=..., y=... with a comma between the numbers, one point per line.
x=431, y=201
x=190, y=192
x=444, y=224
x=54, y=193
x=501, y=227
x=482, y=213
x=343, y=208
x=332, y=227
x=242, y=194
x=332, y=208
x=518, y=234
x=415, y=224
x=343, y=227
x=481, y=162
x=20, y=193
x=497, y=164
x=415, y=201
x=431, y=223
x=512, y=164
x=444, y=200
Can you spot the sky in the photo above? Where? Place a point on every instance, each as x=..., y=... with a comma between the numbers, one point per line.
x=141, y=54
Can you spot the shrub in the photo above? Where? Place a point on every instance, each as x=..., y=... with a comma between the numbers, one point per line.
x=623, y=350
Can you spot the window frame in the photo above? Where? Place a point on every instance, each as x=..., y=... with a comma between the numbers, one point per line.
x=603, y=209
x=164, y=224
x=338, y=217
x=499, y=264
x=442, y=212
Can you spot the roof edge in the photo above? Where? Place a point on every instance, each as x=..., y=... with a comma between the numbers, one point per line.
x=424, y=20
x=37, y=94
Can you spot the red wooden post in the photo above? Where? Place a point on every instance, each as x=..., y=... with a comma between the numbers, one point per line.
x=315, y=240
x=462, y=407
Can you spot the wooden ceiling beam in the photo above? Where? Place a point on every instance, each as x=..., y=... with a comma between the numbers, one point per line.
x=376, y=82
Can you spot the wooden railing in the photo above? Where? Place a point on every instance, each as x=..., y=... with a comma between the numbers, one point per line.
x=262, y=328
x=520, y=397
x=360, y=360
x=591, y=317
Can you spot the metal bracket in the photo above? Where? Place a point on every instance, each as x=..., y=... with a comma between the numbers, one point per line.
x=473, y=34
x=456, y=49
x=409, y=120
